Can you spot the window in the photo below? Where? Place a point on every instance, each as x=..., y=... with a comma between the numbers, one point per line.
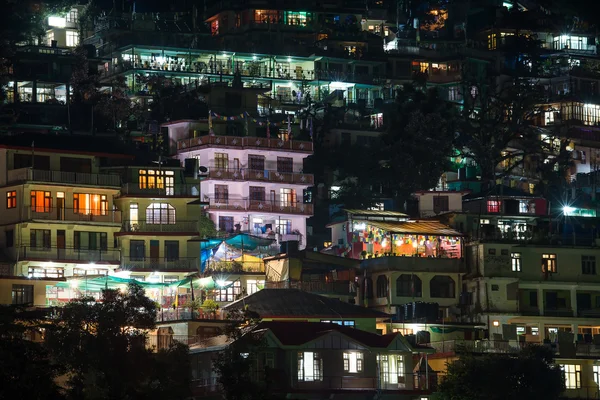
x=160, y=213
x=515, y=262
x=284, y=226
x=139, y=278
x=49, y=38
x=157, y=179
x=256, y=162
x=353, y=362
x=10, y=238
x=22, y=294
x=392, y=368
x=253, y=286
x=310, y=367
x=493, y=206
x=285, y=164
x=349, y=323
x=72, y=38
x=588, y=265
x=11, y=199
x=382, y=286
x=222, y=161
x=492, y=252
x=231, y=293
x=170, y=278
x=549, y=263
x=72, y=15
x=38, y=272
x=90, y=204
x=226, y=224
x=90, y=240
x=90, y=272
x=257, y=193
x=440, y=204
x=40, y=239
x=133, y=215
x=287, y=197
x=137, y=250
x=495, y=288
x=596, y=371
x=442, y=286
x=409, y=285
x=221, y=193
x=572, y=374
x=41, y=201
x=172, y=250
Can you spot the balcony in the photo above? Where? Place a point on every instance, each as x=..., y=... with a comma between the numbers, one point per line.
x=506, y=347
x=67, y=178
x=234, y=267
x=147, y=227
x=35, y=253
x=67, y=214
x=238, y=142
x=343, y=288
x=160, y=264
x=414, y=264
x=260, y=206
x=179, y=190
x=244, y=174
x=186, y=314
x=548, y=312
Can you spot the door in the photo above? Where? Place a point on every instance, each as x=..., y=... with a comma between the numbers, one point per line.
x=60, y=244
x=551, y=301
x=154, y=252
x=60, y=206
x=272, y=199
x=584, y=301
x=236, y=164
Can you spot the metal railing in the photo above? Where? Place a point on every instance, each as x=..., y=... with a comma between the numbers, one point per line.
x=338, y=287
x=260, y=206
x=245, y=174
x=186, y=314
x=160, y=263
x=78, y=178
x=42, y=253
x=245, y=143
x=66, y=214
x=179, y=189
x=144, y=226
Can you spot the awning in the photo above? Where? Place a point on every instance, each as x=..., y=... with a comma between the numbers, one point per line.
x=416, y=228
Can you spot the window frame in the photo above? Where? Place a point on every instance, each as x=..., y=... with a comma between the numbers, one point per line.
x=549, y=263
x=571, y=372
x=493, y=206
x=515, y=262
x=11, y=199
x=317, y=367
x=22, y=294
x=588, y=264
x=353, y=362
x=167, y=214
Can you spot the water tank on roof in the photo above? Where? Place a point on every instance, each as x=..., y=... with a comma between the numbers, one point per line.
x=419, y=310
x=423, y=337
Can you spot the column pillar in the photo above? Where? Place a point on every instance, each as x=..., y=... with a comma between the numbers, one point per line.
x=542, y=331
x=574, y=301
x=575, y=330
x=540, y=295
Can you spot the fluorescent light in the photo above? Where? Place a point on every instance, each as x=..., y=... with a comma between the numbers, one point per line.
x=58, y=22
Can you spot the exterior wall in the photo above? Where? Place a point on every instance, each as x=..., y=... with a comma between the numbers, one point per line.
x=364, y=324
x=426, y=202
x=39, y=290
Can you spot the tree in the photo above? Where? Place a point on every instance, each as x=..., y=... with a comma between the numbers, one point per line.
x=103, y=347
x=26, y=370
x=530, y=374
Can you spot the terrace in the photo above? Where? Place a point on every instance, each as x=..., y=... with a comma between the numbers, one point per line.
x=239, y=142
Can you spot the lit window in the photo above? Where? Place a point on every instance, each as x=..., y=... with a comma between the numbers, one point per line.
x=153, y=179
x=90, y=204
x=160, y=213
x=526, y=207
x=253, y=286
x=50, y=38
x=572, y=374
x=596, y=370
x=231, y=293
x=392, y=368
x=11, y=199
x=310, y=367
x=41, y=201
x=353, y=362
x=493, y=206
x=72, y=38
x=515, y=261
x=549, y=263
x=46, y=272
x=287, y=197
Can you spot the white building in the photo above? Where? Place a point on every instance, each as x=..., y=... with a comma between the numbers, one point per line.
x=254, y=185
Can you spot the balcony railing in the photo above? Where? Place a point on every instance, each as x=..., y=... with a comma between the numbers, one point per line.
x=548, y=312
x=76, y=178
x=160, y=263
x=67, y=214
x=337, y=287
x=245, y=143
x=186, y=314
x=506, y=346
x=133, y=189
x=234, y=267
x=259, y=206
x=244, y=174
x=42, y=253
x=144, y=226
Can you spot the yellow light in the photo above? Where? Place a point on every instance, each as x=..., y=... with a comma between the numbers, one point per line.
x=496, y=323
x=74, y=284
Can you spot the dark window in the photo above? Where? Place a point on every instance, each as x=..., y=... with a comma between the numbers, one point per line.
x=10, y=238
x=346, y=139
x=492, y=252
x=588, y=265
x=256, y=162
x=257, y=193
x=40, y=239
x=442, y=286
x=24, y=161
x=226, y=224
x=285, y=164
x=72, y=164
x=137, y=250
x=221, y=193
x=440, y=204
x=504, y=252
x=409, y=285
x=90, y=240
x=495, y=288
x=368, y=290
x=533, y=299
x=382, y=286
x=22, y=294
x=233, y=100
x=172, y=250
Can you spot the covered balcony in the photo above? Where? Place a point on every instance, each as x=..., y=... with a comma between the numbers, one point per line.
x=53, y=254
x=134, y=263
x=274, y=176
x=239, y=142
x=177, y=190
x=93, y=216
x=277, y=206
x=142, y=226
x=68, y=178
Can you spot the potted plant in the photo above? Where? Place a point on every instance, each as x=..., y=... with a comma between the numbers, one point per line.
x=210, y=306
x=363, y=254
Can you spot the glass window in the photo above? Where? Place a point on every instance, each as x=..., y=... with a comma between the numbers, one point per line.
x=284, y=226
x=515, y=262
x=285, y=164
x=409, y=285
x=160, y=213
x=287, y=197
x=253, y=286
x=353, y=362
x=493, y=206
x=572, y=374
x=89, y=272
x=442, y=286
x=72, y=38
x=221, y=161
x=382, y=286
x=90, y=240
x=22, y=294
x=11, y=199
x=40, y=239
x=133, y=215
x=257, y=193
x=588, y=265
x=41, y=201
x=392, y=368
x=221, y=193
x=172, y=250
x=155, y=179
x=170, y=278
x=310, y=366
x=549, y=263
x=231, y=293
x=90, y=204
x=72, y=15
x=137, y=250
x=38, y=272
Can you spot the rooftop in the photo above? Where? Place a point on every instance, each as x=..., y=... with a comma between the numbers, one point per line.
x=294, y=303
x=500, y=191
x=417, y=227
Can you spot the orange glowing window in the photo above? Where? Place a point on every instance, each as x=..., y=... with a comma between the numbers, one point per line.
x=41, y=201
x=94, y=204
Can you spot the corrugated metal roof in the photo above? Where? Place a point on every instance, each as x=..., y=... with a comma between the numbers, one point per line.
x=416, y=227
x=376, y=213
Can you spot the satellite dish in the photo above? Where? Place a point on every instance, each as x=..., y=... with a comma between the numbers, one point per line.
x=202, y=169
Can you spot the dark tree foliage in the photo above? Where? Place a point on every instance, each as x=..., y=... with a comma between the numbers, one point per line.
x=103, y=347
x=26, y=371
x=531, y=374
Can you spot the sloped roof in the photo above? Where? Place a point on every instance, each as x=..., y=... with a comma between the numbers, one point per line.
x=294, y=303
x=499, y=190
x=298, y=333
x=416, y=227
x=375, y=213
